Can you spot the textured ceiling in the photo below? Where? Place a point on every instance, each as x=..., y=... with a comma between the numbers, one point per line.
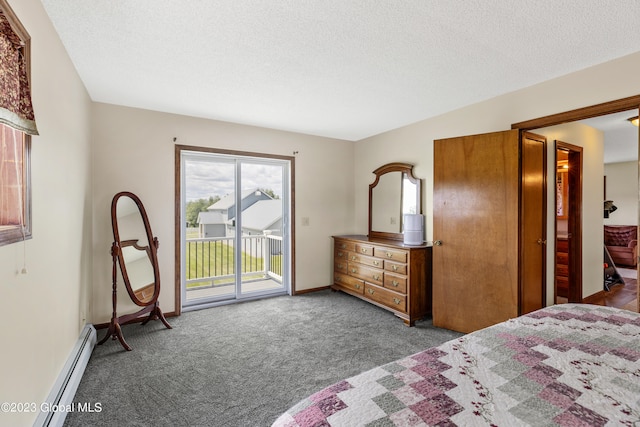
x=347, y=69
x=620, y=136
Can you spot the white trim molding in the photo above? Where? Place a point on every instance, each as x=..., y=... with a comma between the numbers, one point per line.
x=53, y=411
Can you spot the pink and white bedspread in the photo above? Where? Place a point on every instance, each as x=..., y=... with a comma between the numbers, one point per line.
x=567, y=365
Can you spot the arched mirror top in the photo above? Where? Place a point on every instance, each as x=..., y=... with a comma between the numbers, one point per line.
x=136, y=248
x=394, y=193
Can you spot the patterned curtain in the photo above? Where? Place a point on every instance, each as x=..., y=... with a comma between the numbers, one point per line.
x=16, y=109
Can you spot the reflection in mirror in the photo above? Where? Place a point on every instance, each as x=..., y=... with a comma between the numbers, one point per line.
x=136, y=260
x=139, y=270
x=393, y=197
x=394, y=193
x=129, y=221
x=409, y=201
x=134, y=250
x=387, y=203
x=136, y=256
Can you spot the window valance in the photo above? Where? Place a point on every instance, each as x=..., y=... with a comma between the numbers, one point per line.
x=16, y=109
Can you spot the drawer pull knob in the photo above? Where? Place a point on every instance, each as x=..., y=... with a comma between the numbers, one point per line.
x=376, y=263
x=397, y=300
x=353, y=270
x=376, y=277
x=395, y=268
x=394, y=283
x=364, y=250
x=370, y=291
x=357, y=286
x=389, y=255
x=343, y=245
x=353, y=258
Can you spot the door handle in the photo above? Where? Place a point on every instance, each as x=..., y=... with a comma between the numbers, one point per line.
x=437, y=242
x=541, y=242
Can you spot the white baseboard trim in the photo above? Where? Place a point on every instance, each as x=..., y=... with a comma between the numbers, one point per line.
x=64, y=389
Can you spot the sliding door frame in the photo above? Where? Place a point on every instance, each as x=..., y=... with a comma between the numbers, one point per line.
x=178, y=210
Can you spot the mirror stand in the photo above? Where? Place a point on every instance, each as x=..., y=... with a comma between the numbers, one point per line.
x=115, y=331
x=134, y=249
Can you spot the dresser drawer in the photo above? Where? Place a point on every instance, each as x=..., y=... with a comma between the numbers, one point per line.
x=353, y=257
x=349, y=282
x=364, y=249
x=340, y=254
x=395, y=267
x=390, y=254
x=366, y=260
x=386, y=297
x=562, y=270
x=368, y=274
x=345, y=245
x=562, y=258
x=562, y=245
x=340, y=265
x=395, y=282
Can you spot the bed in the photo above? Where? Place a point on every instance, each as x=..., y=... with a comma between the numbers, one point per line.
x=568, y=365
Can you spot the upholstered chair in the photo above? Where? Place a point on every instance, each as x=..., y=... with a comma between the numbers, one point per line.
x=622, y=243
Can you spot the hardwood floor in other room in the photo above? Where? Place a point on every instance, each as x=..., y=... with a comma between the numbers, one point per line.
x=621, y=296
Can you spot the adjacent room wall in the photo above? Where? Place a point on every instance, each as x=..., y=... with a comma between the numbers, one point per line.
x=134, y=151
x=622, y=188
x=414, y=143
x=43, y=311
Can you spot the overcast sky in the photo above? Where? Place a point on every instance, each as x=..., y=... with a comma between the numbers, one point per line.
x=208, y=178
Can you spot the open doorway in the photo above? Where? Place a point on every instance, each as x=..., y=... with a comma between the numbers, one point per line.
x=621, y=207
x=594, y=293
x=568, y=235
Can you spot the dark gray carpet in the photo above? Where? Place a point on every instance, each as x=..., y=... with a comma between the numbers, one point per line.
x=242, y=364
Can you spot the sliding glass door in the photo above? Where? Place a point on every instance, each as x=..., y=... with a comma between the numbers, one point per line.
x=235, y=237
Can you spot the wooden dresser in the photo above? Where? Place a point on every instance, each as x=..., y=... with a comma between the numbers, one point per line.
x=562, y=267
x=386, y=273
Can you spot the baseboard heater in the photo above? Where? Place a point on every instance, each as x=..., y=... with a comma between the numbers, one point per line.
x=67, y=383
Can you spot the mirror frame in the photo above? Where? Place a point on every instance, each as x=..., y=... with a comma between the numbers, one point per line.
x=404, y=168
x=151, y=249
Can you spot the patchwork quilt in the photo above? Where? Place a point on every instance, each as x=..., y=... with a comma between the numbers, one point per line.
x=565, y=365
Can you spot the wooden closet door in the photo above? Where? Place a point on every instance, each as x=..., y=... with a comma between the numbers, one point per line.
x=533, y=222
x=475, y=216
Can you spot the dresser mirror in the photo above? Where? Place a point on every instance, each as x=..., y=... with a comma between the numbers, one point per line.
x=394, y=193
x=134, y=251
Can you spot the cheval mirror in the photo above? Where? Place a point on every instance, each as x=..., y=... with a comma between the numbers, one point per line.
x=134, y=250
x=394, y=193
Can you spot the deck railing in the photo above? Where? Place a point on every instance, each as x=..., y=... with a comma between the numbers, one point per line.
x=210, y=261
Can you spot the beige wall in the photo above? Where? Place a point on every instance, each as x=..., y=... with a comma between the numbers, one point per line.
x=42, y=312
x=414, y=143
x=622, y=188
x=134, y=151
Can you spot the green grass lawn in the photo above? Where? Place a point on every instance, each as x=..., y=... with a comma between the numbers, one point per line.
x=210, y=259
